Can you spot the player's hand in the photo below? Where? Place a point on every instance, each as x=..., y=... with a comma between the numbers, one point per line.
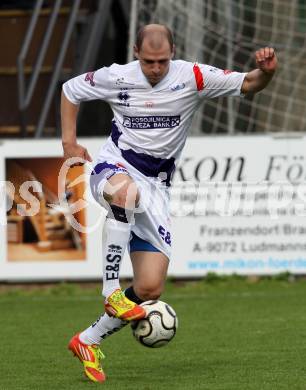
x=266, y=59
x=75, y=150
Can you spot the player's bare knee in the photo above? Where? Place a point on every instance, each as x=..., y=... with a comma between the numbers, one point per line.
x=151, y=295
x=147, y=293
x=125, y=196
x=119, y=199
x=130, y=195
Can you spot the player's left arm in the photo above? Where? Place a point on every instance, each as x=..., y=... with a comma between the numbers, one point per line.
x=259, y=78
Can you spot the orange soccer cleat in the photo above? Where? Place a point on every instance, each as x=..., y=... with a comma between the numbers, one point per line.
x=118, y=305
x=90, y=356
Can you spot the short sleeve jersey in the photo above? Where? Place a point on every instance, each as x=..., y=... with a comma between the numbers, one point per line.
x=153, y=120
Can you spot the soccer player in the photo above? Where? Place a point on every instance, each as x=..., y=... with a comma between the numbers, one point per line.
x=153, y=100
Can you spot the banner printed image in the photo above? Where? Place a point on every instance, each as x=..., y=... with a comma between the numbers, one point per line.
x=38, y=227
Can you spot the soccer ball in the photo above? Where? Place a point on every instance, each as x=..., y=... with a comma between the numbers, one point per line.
x=158, y=327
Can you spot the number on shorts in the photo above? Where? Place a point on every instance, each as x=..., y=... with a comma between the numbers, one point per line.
x=165, y=235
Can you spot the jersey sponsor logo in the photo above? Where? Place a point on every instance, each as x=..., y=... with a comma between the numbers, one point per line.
x=90, y=77
x=151, y=122
x=123, y=96
x=178, y=87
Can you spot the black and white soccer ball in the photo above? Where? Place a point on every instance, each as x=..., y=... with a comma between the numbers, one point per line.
x=158, y=327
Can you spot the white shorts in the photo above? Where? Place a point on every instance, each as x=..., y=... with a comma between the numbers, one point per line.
x=152, y=216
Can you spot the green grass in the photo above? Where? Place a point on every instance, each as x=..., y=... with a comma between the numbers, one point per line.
x=233, y=334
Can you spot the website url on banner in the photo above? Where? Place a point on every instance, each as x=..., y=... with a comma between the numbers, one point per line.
x=252, y=264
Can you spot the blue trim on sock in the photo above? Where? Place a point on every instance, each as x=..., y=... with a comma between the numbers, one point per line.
x=137, y=244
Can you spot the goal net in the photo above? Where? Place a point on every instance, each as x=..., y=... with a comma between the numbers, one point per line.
x=226, y=33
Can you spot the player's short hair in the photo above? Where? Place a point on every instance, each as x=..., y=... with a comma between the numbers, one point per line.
x=141, y=34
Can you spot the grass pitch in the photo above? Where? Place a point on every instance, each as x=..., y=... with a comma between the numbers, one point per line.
x=233, y=335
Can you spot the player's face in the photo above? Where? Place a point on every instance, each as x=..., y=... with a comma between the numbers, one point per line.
x=154, y=62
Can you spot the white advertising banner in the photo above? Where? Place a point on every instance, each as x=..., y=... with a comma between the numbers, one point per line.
x=238, y=206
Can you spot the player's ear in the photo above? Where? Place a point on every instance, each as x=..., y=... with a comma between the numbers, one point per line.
x=136, y=52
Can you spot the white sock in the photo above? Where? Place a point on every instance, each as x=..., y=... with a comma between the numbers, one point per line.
x=104, y=327
x=117, y=235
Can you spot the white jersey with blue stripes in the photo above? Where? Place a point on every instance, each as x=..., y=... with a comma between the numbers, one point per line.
x=153, y=121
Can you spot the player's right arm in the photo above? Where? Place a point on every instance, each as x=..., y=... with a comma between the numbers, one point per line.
x=90, y=86
x=69, y=113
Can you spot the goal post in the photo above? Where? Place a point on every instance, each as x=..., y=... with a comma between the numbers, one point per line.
x=226, y=33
